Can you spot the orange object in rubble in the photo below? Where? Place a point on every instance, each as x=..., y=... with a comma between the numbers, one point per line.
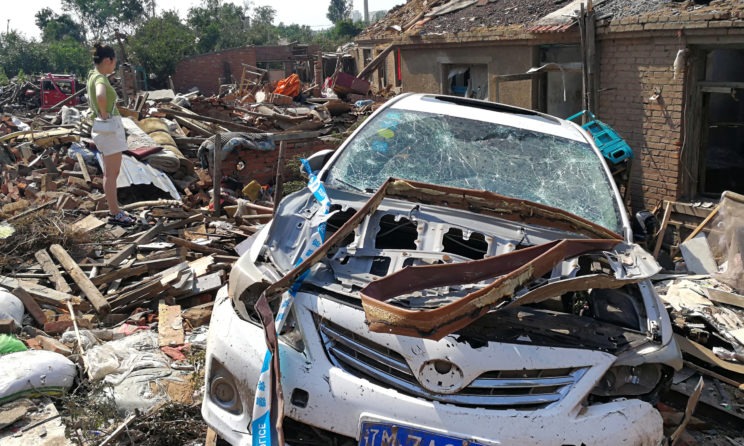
x=289, y=86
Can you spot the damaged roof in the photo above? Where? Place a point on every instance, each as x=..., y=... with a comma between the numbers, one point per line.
x=441, y=17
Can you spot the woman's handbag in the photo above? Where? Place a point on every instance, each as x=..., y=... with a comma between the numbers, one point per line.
x=108, y=126
x=111, y=125
x=109, y=134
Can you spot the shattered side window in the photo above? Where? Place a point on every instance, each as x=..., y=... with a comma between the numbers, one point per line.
x=466, y=153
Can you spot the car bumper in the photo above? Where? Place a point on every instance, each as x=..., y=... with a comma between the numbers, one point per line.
x=339, y=402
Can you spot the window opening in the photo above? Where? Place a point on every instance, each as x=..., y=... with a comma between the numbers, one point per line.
x=723, y=131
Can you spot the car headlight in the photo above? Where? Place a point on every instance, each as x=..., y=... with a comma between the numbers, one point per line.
x=223, y=389
x=627, y=380
x=291, y=333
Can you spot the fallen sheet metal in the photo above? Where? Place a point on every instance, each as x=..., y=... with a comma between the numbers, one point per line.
x=136, y=172
x=513, y=270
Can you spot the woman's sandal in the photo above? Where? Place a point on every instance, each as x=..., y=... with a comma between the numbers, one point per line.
x=121, y=219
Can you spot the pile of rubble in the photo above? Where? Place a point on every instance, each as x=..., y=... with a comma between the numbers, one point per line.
x=703, y=289
x=111, y=321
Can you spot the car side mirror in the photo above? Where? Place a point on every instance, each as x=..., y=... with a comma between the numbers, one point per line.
x=316, y=161
x=644, y=225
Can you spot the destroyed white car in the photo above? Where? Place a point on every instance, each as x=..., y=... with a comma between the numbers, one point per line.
x=478, y=285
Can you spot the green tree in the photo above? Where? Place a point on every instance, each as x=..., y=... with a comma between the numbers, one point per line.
x=55, y=27
x=160, y=43
x=218, y=25
x=3, y=77
x=99, y=18
x=296, y=33
x=18, y=54
x=339, y=10
x=68, y=56
x=262, y=31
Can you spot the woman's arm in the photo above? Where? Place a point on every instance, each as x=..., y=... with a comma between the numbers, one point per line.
x=103, y=112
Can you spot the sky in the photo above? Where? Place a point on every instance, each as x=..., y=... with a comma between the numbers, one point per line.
x=301, y=12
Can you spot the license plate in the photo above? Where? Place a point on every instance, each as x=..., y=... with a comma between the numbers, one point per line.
x=387, y=434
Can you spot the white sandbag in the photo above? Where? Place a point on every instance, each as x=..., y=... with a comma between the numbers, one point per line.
x=11, y=307
x=35, y=373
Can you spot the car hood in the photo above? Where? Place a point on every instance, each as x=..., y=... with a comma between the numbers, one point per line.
x=474, y=286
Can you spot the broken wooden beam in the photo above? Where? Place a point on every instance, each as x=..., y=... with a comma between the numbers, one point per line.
x=47, y=264
x=191, y=116
x=702, y=224
x=195, y=246
x=133, y=297
x=712, y=374
x=90, y=291
x=83, y=166
x=48, y=296
x=31, y=305
x=662, y=230
x=145, y=237
x=122, y=273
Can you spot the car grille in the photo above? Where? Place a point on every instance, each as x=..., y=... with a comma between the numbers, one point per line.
x=497, y=389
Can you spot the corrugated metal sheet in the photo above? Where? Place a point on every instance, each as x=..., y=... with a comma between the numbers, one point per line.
x=136, y=172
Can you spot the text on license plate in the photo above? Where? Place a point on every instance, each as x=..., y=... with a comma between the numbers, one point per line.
x=386, y=434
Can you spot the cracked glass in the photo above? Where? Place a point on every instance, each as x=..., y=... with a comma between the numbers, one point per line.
x=468, y=153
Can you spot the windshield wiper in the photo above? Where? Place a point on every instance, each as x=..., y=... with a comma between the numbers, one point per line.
x=356, y=188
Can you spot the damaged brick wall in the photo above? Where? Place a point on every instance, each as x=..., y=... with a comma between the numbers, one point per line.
x=204, y=71
x=261, y=166
x=424, y=68
x=633, y=71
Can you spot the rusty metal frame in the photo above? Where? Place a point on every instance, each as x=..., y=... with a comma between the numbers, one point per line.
x=511, y=270
x=481, y=202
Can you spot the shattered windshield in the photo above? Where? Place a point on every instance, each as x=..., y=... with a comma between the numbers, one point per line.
x=467, y=153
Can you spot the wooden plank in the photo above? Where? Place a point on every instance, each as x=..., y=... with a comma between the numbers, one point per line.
x=125, y=253
x=159, y=264
x=173, y=273
x=31, y=211
x=195, y=117
x=370, y=67
x=662, y=230
x=195, y=246
x=201, y=266
x=170, y=325
x=715, y=375
x=689, y=409
x=89, y=223
x=31, y=305
x=83, y=167
x=217, y=175
x=279, y=179
x=696, y=350
x=95, y=297
x=211, y=439
x=46, y=295
x=47, y=264
x=122, y=273
x=145, y=291
x=182, y=223
x=724, y=297
x=702, y=224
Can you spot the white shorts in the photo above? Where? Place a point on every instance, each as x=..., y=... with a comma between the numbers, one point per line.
x=110, y=143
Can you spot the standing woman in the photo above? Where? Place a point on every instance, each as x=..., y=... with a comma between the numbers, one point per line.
x=102, y=99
